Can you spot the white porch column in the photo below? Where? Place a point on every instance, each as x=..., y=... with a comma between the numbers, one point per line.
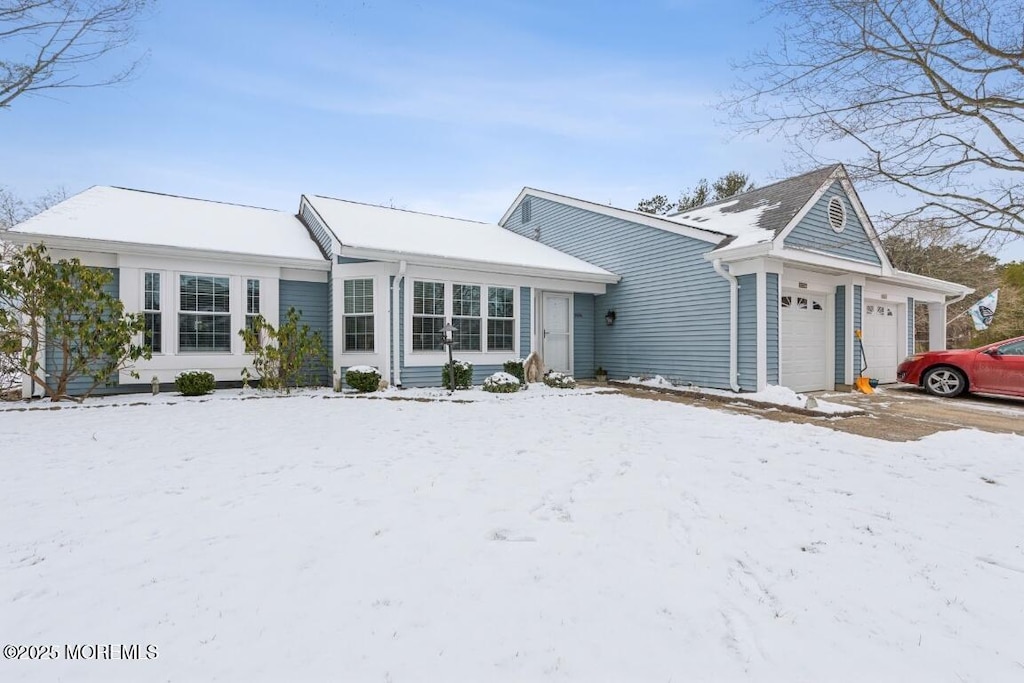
x=937, y=326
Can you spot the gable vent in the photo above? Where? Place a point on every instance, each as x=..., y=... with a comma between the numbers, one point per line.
x=527, y=210
x=837, y=214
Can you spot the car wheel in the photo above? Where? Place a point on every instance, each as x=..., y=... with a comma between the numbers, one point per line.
x=945, y=382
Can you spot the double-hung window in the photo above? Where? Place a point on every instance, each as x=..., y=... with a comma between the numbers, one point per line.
x=153, y=331
x=204, y=314
x=427, y=315
x=466, y=317
x=358, y=314
x=501, y=323
x=252, y=303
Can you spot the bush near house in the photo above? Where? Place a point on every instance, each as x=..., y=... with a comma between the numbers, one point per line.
x=293, y=355
x=195, y=383
x=515, y=368
x=463, y=375
x=363, y=378
x=559, y=380
x=502, y=383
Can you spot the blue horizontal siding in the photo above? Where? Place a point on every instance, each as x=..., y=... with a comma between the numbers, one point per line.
x=911, y=322
x=53, y=358
x=772, y=299
x=814, y=232
x=525, y=320
x=583, y=325
x=857, y=322
x=840, y=336
x=313, y=302
x=672, y=308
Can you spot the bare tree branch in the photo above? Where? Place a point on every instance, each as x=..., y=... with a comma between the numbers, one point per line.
x=44, y=44
x=932, y=92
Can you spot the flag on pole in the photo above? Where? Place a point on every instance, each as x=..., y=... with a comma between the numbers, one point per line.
x=981, y=313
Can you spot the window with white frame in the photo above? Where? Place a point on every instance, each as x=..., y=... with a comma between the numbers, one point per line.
x=483, y=315
x=153, y=333
x=466, y=317
x=204, y=314
x=252, y=303
x=358, y=313
x=501, y=323
x=427, y=315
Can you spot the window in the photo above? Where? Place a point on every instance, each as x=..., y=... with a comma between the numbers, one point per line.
x=252, y=303
x=427, y=316
x=358, y=314
x=204, y=314
x=153, y=333
x=1014, y=349
x=500, y=319
x=466, y=317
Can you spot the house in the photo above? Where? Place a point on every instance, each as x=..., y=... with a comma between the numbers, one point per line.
x=767, y=287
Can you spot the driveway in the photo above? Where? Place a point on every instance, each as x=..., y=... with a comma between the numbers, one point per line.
x=900, y=412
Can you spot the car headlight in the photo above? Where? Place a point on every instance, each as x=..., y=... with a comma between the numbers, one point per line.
x=916, y=356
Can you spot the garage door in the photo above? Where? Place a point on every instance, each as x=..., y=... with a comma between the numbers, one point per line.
x=881, y=340
x=804, y=351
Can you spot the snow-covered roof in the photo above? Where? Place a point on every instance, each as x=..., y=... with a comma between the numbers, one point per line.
x=405, y=233
x=742, y=225
x=115, y=214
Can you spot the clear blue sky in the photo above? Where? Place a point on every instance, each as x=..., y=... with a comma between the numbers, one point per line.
x=449, y=106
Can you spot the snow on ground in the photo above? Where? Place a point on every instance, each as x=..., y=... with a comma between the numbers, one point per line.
x=580, y=537
x=780, y=396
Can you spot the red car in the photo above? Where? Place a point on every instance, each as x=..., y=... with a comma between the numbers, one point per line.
x=992, y=369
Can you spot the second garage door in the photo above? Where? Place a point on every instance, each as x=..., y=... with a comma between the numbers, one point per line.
x=881, y=340
x=804, y=351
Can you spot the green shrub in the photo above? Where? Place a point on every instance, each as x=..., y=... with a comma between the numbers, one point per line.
x=463, y=375
x=363, y=378
x=514, y=367
x=195, y=382
x=502, y=383
x=559, y=380
x=293, y=355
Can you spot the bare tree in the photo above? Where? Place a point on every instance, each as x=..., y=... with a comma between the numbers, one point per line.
x=47, y=44
x=931, y=93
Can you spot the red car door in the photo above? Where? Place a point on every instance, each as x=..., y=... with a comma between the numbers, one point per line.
x=1001, y=371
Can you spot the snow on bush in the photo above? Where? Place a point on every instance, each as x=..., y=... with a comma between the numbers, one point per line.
x=363, y=378
x=559, y=380
x=195, y=382
x=463, y=375
x=514, y=367
x=657, y=381
x=502, y=383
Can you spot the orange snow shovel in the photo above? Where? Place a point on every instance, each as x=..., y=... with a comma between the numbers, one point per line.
x=862, y=383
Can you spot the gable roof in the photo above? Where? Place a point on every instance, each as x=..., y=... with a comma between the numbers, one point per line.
x=126, y=216
x=383, y=233
x=761, y=214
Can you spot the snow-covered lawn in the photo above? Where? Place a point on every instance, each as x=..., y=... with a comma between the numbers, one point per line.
x=579, y=537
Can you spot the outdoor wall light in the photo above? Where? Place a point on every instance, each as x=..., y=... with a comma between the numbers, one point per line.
x=609, y=318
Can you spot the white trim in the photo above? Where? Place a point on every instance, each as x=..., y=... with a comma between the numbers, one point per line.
x=841, y=227
x=762, y=328
x=819, y=258
x=806, y=208
x=423, y=359
x=304, y=275
x=865, y=221
x=480, y=266
x=650, y=220
x=134, y=248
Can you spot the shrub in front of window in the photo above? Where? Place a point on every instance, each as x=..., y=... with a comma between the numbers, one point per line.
x=515, y=368
x=502, y=383
x=289, y=356
x=363, y=378
x=195, y=382
x=559, y=380
x=463, y=375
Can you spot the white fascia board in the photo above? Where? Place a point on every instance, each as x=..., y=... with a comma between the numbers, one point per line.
x=482, y=266
x=111, y=246
x=639, y=217
x=865, y=220
x=728, y=255
x=416, y=271
x=821, y=259
x=930, y=283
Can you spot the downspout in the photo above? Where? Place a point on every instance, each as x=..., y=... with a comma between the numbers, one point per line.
x=396, y=356
x=733, y=323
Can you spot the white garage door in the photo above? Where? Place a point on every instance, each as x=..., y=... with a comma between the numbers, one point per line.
x=804, y=351
x=881, y=340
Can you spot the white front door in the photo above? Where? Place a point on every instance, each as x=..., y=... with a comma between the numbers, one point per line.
x=881, y=331
x=805, y=349
x=556, y=332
